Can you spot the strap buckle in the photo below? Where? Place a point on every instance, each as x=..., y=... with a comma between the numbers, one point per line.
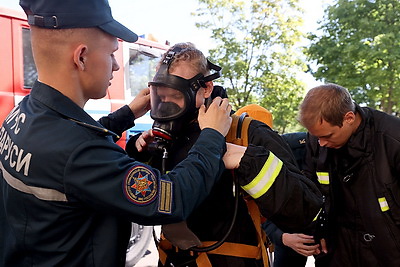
x=44, y=22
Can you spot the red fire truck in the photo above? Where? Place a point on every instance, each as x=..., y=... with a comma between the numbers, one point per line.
x=18, y=71
x=137, y=66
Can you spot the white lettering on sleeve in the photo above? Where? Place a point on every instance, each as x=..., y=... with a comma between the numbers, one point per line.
x=24, y=161
x=19, y=118
x=17, y=158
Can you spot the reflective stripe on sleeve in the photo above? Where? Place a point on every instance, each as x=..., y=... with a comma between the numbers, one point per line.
x=383, y=203
x=323, y=177
x=264, y=180
x=39, y=192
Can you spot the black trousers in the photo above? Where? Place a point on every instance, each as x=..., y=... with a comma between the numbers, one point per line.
x=286, y=257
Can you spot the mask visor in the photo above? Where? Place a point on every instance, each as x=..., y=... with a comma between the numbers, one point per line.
x=166, y=103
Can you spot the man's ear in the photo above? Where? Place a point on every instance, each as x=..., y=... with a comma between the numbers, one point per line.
x=208, y=90
x=349, y=117
x=80, y=54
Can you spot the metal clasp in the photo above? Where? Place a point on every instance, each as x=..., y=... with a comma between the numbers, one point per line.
x=368, y=237
x=55, y=21
x=347, y=177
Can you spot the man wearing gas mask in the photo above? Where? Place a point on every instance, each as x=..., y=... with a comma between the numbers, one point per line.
x=220, y=232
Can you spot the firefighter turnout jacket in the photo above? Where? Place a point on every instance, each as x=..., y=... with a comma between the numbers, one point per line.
x=69, y=193
x=361, y=182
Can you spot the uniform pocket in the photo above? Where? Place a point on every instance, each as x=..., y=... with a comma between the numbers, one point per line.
x=393, y=201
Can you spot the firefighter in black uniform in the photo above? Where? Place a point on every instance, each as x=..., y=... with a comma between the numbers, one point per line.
x=353, y=154
x=68, y=192
x=292, y=249
x=183, y=82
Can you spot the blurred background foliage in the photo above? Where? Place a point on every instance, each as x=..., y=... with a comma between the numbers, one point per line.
x=262, y=50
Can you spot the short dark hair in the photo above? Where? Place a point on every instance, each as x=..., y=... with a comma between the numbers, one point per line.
x=329, y=102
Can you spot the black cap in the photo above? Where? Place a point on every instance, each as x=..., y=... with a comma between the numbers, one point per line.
x=65, y=14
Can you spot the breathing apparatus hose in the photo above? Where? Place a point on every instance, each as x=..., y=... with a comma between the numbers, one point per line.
x=164, y=161
x=220, y=242
x=164, y=171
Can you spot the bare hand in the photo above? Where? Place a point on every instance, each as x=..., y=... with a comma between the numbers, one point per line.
x=298, y=242
x=323, y=246
x=233, y=155
x=145, y=138
x=217, y=116
x=141, y=103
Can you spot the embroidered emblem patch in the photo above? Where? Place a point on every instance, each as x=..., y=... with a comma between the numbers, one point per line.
x=140, y=185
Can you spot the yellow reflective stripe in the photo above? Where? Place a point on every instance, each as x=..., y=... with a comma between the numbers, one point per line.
x=383, y=203
x=264, y=180
x=39, y=192
x=315, y=218
x=323, y=177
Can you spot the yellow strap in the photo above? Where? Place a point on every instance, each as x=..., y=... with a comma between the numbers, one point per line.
x=227, y=249
x=163, y=245
x=245, y=129
x=232, y=136
x=256, y=218
x=203, y=260
x=235, y=250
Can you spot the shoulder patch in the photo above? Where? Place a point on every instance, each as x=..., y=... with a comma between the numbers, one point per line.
x=140, y=185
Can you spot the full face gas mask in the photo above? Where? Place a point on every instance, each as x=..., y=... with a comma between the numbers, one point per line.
x=173, y=99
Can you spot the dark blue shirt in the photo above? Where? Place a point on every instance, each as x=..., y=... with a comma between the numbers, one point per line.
x=69, y=192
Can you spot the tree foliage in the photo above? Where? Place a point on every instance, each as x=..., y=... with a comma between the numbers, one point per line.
x=360, y=49
x=255, y=45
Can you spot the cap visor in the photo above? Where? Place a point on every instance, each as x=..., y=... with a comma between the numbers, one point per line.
x=118, y=30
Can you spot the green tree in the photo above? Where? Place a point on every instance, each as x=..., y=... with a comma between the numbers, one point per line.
x=360, y=49
x=255, y=44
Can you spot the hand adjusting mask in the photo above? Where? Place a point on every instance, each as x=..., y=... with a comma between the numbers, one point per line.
x=173, y=98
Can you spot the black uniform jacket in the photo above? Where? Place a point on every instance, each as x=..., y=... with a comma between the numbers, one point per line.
x=69, y=193
x=292, y=201
x=361, y=182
